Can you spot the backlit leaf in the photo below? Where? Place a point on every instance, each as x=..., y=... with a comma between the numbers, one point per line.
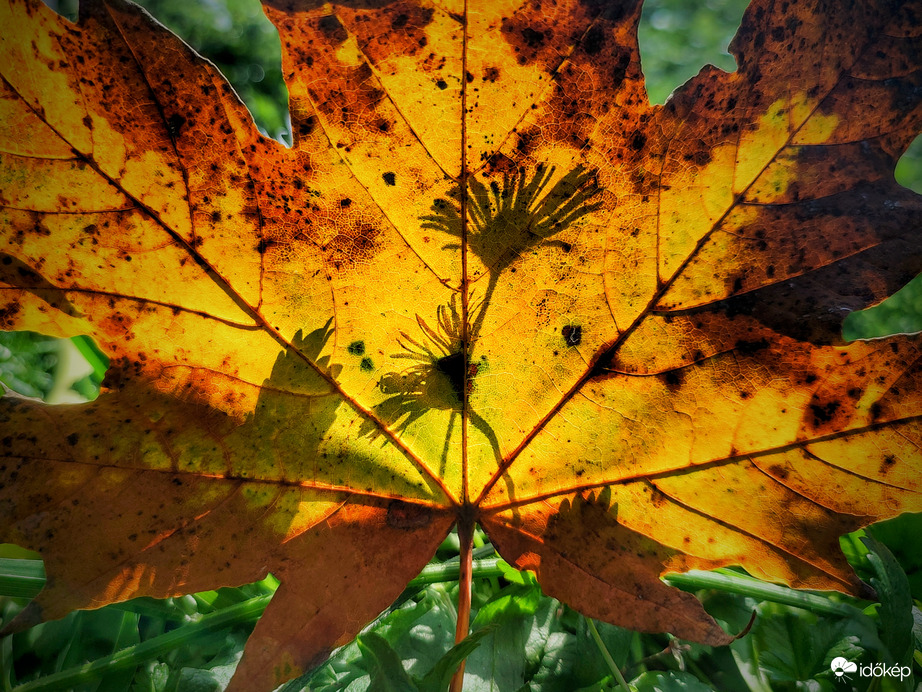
x=489, y=282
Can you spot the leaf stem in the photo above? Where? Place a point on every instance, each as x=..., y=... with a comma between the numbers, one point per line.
x=609, y=661
x=465, y=576
x=434, y=574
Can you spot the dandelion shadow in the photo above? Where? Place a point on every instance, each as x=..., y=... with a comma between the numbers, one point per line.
x=435, y=379
x=506, y=220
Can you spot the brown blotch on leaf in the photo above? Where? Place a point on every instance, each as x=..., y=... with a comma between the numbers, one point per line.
x=672, y=379
x=358, y=243
x=264, y=244
x=611, y=11
x=824, y=413
x=174, y=124
x=888, y=462
x=392, y=29
x=779, y=472
x=594, y=39
x=572, y=334
x=332, y=28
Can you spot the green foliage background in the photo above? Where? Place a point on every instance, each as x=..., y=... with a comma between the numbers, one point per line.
x=522, y=641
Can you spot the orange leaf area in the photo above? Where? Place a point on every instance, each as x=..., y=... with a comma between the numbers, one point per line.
x=488, y=282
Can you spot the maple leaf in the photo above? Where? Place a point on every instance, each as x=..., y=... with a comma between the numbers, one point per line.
x=489, y=282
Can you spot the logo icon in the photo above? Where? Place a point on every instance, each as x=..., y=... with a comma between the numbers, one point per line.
x=841, y=667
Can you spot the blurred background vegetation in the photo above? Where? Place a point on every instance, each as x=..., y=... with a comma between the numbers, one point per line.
x=522, y=641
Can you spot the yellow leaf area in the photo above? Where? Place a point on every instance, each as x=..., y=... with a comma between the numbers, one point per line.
x=488, y=282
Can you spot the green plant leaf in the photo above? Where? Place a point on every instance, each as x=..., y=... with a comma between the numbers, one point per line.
x=670, y=681
x=895, y=610
x=383, y=665
x=519, y=620
x=793, y=645
x=901, y=536
x=125, y=625
x=21, y=578
x=437, y=679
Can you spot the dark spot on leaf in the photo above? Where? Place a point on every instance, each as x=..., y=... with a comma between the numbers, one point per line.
x=306, y=126
x=356, y=348
x=673, y=379
x=619, y=70
x=823, y=413
x=658, y=497
x=174, y=123
x=876, y=410
x=749, y=347
x=332, y=28
x=72, y=439
x=887, y=464
x=638, y=141
x=389, y=178
x=367, y=365
x=594, y=39
x=572, y=334
x=532, y=38
x=442, y=84
x=779, y=471
x=525, y=142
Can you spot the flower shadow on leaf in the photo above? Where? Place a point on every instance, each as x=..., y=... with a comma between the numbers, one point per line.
x=436, y=379
x=505, y=221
